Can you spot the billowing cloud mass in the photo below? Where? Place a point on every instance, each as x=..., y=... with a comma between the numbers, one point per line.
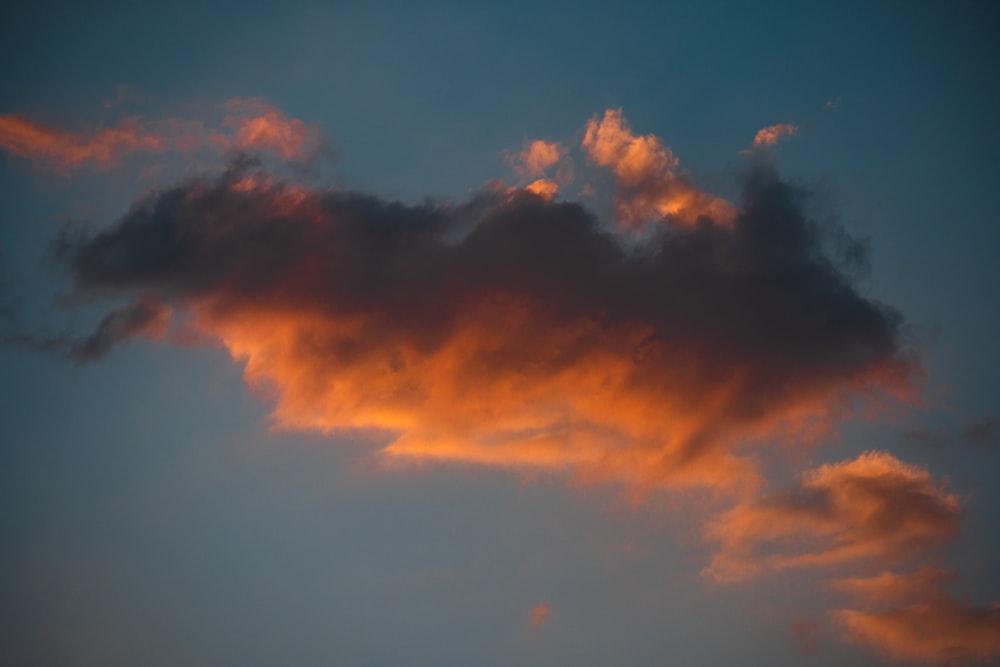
x=650, y=187
x=509, y=330
x=769, y=136
x=248, y=125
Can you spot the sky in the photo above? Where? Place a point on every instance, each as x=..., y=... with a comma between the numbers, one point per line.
x=376, y=334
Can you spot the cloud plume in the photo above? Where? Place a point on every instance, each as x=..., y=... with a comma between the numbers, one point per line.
x=248, y=125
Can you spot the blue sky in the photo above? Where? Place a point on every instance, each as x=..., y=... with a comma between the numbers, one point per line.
x=155, y=508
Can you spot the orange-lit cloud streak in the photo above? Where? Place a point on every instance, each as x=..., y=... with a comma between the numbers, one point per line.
x=249, y=125
x=65, y=150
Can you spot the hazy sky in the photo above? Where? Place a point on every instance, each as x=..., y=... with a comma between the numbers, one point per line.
x=499, y=334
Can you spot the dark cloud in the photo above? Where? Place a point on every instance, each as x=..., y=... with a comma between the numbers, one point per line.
x=145, y=316
x=697, y=334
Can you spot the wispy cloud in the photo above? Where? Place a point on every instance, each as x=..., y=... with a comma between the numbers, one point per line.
x=62, y=150
x=912, y=617
x=872, y=509
x=248, y=125
x=772, y=134
x=867, y=514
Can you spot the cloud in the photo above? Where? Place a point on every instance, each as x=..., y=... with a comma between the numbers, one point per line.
x=770, y=135
x=539, y=615
x=516, y=331
x=512, y=331
x=64, y=150
x=911, y=617
x=539, y=156
x=872, y=509
x=944, y=631
x=258, y=126
x=544, y=188
x=146, y=317
x=892, y=588
x=870, y=512
x=249, y=125
x=650, y=187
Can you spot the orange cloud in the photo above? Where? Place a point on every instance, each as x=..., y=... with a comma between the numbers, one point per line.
x=544, y=188
x=873, y=509
x=649, y=186
x=539, y=156
x=769, y=136
x=891, y=588
x=249, y=126
x=65, y=150
x=910, y=616
x=942, y=631
x=259, y=126
x=539, y=615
